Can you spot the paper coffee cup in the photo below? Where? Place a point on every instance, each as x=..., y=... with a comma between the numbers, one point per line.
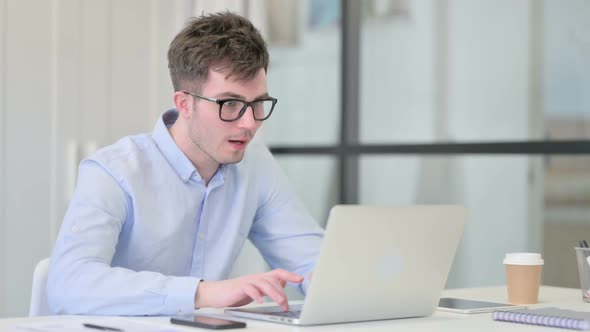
x=523, y=277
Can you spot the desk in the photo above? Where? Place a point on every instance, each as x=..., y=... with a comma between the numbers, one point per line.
x=567, y=298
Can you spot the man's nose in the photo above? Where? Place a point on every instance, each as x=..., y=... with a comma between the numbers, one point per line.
x=247, y=120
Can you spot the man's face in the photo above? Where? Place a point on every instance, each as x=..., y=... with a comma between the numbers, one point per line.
x=224, y=142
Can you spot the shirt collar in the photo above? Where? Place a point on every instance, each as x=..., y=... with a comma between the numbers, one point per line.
x=176, y=158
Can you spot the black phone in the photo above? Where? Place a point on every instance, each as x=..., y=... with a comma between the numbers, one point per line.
x=207, y=322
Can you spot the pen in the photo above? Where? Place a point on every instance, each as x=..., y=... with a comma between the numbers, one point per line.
x=585, y=243
x=100, y=327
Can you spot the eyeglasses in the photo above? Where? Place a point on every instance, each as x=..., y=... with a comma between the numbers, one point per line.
x=233, y=109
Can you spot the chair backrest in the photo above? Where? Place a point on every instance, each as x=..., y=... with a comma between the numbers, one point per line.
x=39, y=305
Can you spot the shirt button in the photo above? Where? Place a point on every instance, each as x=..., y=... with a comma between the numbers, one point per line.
x=201, y=237
x=75, y=229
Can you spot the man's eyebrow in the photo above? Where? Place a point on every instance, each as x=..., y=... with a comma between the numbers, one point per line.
x=238, y=96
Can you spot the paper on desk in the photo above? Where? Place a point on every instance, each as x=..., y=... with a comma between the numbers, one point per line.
x=71, y=324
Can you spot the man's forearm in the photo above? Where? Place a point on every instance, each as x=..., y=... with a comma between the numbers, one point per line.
x=98, y=289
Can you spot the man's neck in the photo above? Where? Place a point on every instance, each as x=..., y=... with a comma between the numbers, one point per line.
x=204, y=164
x=206, y=174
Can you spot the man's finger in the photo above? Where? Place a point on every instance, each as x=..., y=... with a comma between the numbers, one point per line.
x=270, y=290
x=287, y=276
x=278, y=283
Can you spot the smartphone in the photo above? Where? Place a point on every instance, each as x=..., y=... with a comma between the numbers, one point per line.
x=473, y=307
x=207, y=322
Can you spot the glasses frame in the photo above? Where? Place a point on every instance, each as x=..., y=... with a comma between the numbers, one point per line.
x=247, y=104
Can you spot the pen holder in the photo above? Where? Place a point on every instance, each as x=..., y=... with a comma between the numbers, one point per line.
x=582, y=255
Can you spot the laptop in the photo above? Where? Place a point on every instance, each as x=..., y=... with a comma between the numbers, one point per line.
x=376, y=262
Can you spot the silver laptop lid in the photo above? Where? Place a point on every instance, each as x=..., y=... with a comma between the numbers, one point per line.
x=382, y=262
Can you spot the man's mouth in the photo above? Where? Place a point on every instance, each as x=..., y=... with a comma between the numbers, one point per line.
x=240, y=141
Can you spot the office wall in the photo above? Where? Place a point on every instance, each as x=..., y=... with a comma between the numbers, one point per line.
x=28, y=75
x=2, y=143
x=75, y=75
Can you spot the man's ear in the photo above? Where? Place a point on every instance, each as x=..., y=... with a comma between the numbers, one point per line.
x=182, y=101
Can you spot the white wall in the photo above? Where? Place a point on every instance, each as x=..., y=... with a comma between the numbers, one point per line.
x=28, y=77
x=75, y=75
x=3, y=246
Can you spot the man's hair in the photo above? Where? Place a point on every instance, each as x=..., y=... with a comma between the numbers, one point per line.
x=222, y=42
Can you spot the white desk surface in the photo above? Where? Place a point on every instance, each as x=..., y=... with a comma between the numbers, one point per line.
x=567, y=298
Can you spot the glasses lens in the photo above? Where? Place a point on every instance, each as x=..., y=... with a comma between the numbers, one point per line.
x=230, y=110
x=262, y=109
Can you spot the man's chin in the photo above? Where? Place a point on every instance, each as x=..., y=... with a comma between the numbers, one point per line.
x=234, y=158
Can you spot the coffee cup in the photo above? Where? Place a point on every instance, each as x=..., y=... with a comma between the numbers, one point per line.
x=523, y=277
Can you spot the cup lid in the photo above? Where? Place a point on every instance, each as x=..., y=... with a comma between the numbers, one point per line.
x=523, y=258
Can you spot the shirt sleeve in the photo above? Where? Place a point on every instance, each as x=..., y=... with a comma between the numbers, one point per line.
x=81, y=279
x=284, y=232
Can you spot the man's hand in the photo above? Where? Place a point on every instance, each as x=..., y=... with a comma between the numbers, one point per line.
x=243, y=290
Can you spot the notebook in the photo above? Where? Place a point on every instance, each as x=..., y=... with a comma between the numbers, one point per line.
x=552, y=317
x=376, y=262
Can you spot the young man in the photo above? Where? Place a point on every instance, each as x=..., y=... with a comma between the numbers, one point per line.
x=157, y=220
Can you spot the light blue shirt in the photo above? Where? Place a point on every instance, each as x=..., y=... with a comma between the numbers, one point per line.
x=143, y=229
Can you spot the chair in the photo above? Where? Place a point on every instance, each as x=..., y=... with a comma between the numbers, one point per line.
x=39, y=305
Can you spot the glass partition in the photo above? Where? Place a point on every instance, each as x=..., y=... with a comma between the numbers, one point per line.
x=304, y=75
